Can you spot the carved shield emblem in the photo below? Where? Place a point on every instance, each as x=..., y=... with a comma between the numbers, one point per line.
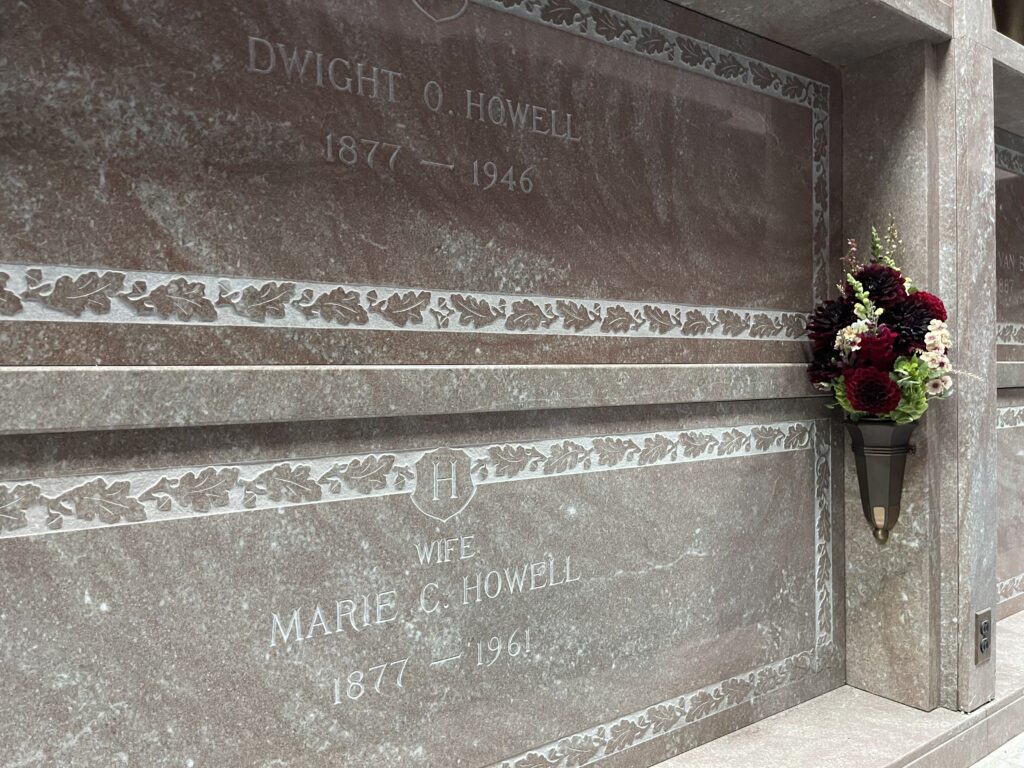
x=444, y=485
x=442, y=10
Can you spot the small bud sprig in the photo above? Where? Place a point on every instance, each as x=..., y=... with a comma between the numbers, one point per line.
x=884, y=252
x=865, y=308
x=851, y=263
x=893, y=244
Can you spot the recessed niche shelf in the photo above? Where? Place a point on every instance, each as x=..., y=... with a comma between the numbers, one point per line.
x=1008, y=57
x=42, y=399
x=1010, y=375
x=836, y=31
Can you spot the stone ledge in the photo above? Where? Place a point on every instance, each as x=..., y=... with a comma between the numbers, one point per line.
x=1008, y=53
x=836, y=32
x=68, y=399
x=1010, y=375
x=854, y=729
x=1008, y=56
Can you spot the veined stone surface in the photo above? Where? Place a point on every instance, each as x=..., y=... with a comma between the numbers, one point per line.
x=381, y=182
x=1010, y=244
x=1010, y=560
x=567, y=587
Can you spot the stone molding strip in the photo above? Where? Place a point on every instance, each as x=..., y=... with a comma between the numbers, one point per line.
x=1011, y=417
x=1010, y=334
x=35, y=399
x=1009, y=374
x=1011, y=588
x=79, y=502
x=615, y=736
x=70, y=294
x=1009, y=159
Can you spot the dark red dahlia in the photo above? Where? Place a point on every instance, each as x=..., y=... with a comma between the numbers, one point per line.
x=931, y=303
x=883, y=284
x=878, y=351
x=909, y=320
x=828, y=319
x=823, y=368
x=872, y=391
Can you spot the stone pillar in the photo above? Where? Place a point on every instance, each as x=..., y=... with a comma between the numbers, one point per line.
x=968, y=261
x=918, y=143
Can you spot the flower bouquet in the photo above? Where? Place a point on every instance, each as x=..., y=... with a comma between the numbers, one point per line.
x=882, y=351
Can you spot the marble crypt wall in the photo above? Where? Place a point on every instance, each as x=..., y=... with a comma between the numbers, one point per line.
x=179, y=572
x=353, y=183
x=1010, y=245
x=1010, y=501
x=1010, y=316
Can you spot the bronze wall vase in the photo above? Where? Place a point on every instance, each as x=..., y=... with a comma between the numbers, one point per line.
x=880, y=448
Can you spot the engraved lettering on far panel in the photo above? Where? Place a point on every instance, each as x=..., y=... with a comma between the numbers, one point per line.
x=1011, y=279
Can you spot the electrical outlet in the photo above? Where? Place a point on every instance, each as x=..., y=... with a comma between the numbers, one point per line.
x=982, y=636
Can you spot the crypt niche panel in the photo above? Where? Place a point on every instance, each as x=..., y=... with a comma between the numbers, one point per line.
x=402, y=181
x=1010, y=502
x=1010, y=245
x=480, y=592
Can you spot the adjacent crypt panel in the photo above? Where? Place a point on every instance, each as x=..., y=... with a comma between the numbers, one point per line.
x=472, y=590
x=1010, y=501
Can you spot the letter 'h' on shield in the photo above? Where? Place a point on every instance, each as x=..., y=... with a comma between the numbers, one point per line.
x=444, y=485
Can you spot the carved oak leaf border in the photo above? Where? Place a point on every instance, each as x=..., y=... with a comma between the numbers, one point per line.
x=50, y=505
x=1010, y=334
x=40, y=506
x=1011, y=588
x=1011, y=417
x=43, y=293
x=1009, y=159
